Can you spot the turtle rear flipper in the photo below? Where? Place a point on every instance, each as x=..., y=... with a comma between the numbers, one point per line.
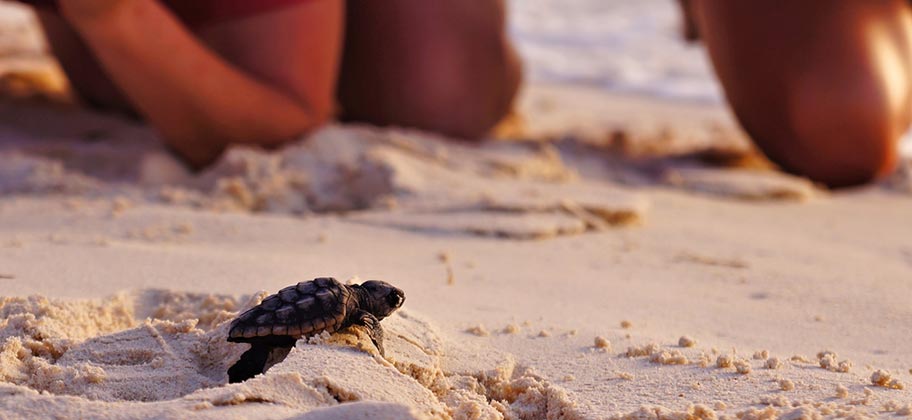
x=257, y=360
x=250, y=364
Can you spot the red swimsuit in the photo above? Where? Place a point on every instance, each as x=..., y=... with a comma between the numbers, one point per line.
x=196, y=12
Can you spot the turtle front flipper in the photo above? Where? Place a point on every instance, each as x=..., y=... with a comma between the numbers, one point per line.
x=374, y=330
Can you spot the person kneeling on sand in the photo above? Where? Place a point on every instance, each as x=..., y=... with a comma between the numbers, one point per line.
x=210, y=73
x=823, y=87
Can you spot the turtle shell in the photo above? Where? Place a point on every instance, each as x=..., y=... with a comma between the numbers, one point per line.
x=307, y=308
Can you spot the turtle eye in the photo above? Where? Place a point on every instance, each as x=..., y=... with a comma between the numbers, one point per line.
x=394, y=299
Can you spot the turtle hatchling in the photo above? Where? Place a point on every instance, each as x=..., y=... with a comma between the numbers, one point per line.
x=305, y=309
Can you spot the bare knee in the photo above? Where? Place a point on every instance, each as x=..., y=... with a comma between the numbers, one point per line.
x=454, y=98
x=848, y=159
x=838, y=140
x=451, y=92
x=833, y=114
x=443, y=66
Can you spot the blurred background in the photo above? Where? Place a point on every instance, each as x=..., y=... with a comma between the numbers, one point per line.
x=630, y=46
x=621, y=46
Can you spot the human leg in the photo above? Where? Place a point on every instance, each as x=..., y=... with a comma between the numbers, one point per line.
x=822, y=87
x=444, y=66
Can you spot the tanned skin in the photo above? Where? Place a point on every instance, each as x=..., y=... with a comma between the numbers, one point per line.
x=823, y=87
x=268, y=78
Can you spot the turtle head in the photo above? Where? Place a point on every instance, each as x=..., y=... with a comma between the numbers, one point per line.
x=380, y=298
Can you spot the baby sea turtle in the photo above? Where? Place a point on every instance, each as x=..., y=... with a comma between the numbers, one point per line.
x=305, y=309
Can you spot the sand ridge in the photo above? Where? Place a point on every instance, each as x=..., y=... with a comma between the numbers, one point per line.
x=521, y=190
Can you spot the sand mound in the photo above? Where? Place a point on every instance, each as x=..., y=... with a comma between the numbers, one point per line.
x=98, y=358
x=520, y=190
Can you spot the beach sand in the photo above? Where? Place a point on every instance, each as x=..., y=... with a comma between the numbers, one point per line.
x=609, y=256
x=120, y=271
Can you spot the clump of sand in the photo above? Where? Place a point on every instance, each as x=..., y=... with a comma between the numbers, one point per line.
x=478, y=330
x=842, y=392
x=742, y=366
x=786, y=385
x=686, y=341
x=884, y=379
x=602, y=344
x=512, y=392
x=673, y=357
x=827, y=360
x=773, y=363
x=511, y=329
x=725, y=361
x=643, y=350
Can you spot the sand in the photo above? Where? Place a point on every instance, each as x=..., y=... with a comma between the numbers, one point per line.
x=609, y=257
x=131, y=282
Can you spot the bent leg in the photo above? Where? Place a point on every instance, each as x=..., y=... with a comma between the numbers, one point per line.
x=822, y=87
x=86, y=76
x=444, y=66
x=272, y=82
